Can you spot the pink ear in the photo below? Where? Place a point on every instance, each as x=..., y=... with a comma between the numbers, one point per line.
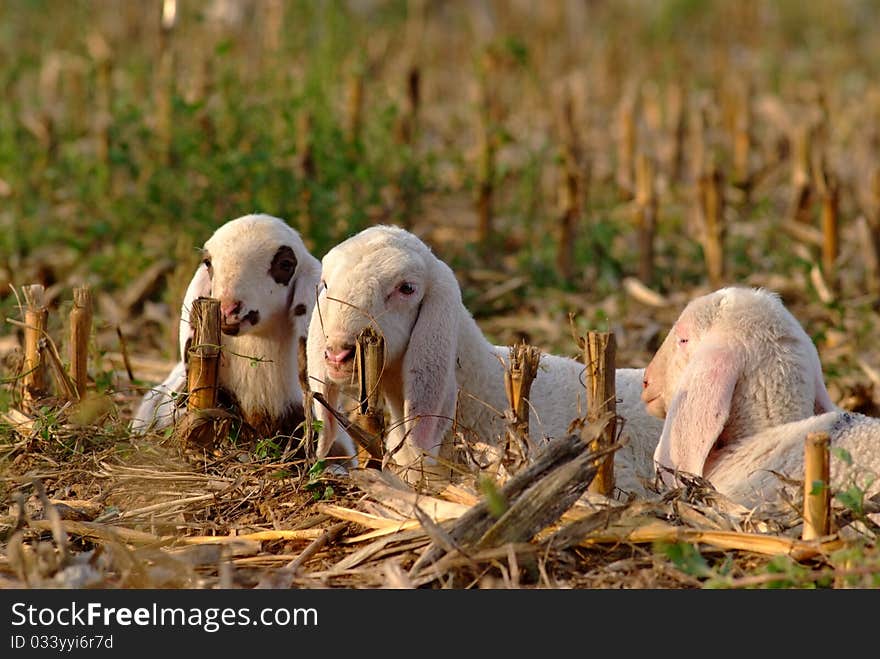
x=699, y=410
x=430, y=386
x=823, y=402
x=200, y=286
x=308, y=275
x=318, y=382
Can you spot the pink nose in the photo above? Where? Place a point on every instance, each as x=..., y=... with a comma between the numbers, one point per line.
x=338, y=357
x=230, y=309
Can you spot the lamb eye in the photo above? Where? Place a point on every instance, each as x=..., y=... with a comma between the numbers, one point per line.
x=207, y=263
x=406, y=288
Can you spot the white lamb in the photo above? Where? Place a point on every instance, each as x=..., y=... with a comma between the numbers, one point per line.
x=438, y=365
x=740, y=385
x=266, y=281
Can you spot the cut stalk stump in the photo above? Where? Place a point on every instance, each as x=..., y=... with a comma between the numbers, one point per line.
x=519, y=373
x=599, y=358
x=80, y=329
x=369, y=364
x=36, y=316
x=817, y=479
x=203, y=424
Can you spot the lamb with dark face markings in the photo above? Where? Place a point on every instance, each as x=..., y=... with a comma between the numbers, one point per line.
x=265, y=279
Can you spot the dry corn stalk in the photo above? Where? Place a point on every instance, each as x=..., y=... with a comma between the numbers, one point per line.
x=677, y=127
x=805, y=233
x=355, y=103
x=869, y=226
x=406, y=132
x=651, y=113
x=273, y=19
x=165, y=80
x=874, y=212
x=486, y=164
x=49, y=353
x=407, y=125
x=830, y=193
x=308, y=400
x=45, y=125
x=305, y=166
x=742, y=139
x=532, y=499
x=519, y=373
x=646, y=209
x=204, y=355
x=869, y=239
x=203, y=423
x=80, y=329
x=799, y=205
x=626, y=143
x=758, y=543
x=699, y=139
x=817, y=475
x=369, y=362
x=599, y=358
x=711, y=195
x=102, y=56
x=570, y=187
x=36, y=317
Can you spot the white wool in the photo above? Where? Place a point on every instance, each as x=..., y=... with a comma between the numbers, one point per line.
x=740, y=385
x=268, y=312
x=744, y=472
x=439, y=365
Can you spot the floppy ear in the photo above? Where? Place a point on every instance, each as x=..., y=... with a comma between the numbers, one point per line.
x=700, y=409
x=200, y=286
x=333, y=440
x=305, y=283
x=823, y=402
x=429, y=383
x=331, y=436
x=318, y=383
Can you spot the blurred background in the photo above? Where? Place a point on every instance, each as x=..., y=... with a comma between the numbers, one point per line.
x=580, y=164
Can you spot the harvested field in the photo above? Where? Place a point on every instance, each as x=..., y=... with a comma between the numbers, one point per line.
x=580, y=166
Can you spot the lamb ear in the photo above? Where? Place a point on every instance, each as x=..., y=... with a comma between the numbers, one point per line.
x=200, y=286
x=319, y=384
x=699, y=410
x=823, y=402
x=430, y=387
x=308, y=276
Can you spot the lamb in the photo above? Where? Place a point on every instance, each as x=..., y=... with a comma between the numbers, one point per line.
x=439, y=367
x=740, y=385
x=266, y=281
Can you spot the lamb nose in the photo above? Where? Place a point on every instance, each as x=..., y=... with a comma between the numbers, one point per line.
x=229, y=310
x=644, y=384
x=338, y=357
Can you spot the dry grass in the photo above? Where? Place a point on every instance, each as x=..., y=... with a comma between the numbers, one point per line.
x=147, y=515
x=124, y=145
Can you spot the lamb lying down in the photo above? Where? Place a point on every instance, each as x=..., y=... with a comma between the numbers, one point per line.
x=439, y=366
x=740, y=385
x=265, y=279
x=781, y=449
